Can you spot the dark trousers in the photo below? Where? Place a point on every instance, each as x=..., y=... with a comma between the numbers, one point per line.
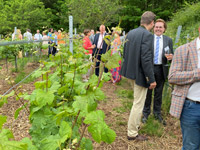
x=97, y=67
x=159, y=77
x=52, y=50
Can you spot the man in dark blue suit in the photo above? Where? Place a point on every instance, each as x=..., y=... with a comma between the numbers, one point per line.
x=163, y=52
x=101, y=48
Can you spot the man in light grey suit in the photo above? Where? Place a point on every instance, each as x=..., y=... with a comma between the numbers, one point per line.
x=163, y=52
x=138, y=68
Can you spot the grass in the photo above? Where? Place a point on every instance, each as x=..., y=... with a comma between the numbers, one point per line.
x=152, y=127
x=126, y=100
x=125, y=93
x=21, y=76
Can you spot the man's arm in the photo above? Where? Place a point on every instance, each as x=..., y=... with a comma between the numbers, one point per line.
x=179, y=76
x=147, y=57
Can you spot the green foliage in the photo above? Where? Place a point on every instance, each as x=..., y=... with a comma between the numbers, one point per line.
x=5, y=144
x=95, y=12
x=23, y=14
x=62, y=103
x=188, y=18
x=152, y=127
x=3, y=119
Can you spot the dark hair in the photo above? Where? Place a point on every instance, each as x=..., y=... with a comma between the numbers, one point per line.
x=147, y=18
x=86, y=31
x=161, y=20
x=50, y=29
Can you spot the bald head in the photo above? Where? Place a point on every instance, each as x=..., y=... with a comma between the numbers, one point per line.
x=102, y=29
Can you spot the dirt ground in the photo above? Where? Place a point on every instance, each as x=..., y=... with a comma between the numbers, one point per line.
x=170, y=140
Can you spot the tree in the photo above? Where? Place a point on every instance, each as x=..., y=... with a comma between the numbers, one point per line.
x=24, y=14
x=92, y=13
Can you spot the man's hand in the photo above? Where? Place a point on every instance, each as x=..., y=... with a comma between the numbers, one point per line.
x=152, y=85
x=169, y=56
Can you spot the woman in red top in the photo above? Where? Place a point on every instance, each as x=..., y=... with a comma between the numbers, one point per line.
x=88, y=46
x=87, y=43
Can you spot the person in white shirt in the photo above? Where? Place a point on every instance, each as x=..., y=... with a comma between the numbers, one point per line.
x=161, y=45
x=28, y=35
x=38, y=36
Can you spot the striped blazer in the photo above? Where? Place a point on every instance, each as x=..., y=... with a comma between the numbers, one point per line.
x=183, y=73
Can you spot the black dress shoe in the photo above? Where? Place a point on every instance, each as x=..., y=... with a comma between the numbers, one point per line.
x=160, y=119
x=138, y=138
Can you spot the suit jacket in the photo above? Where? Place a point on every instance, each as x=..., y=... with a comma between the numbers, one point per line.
x=166, y=42
x=104, y=46
x=138, y=57
x=183, y=73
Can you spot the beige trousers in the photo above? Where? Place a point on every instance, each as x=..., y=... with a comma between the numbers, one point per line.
x=137, y=108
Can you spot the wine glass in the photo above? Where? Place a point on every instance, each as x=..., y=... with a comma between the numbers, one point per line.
x=167, y=53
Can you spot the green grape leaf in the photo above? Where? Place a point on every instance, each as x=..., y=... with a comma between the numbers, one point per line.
x=65, y=131
x=3, y=99
x=86, y=144
x=29, y=143
x=106, y=76
x=41, y=84
x=80, y=103
x=94, y=117
x=55, y=86
x=91, y=104
x=93, y=80
x=3, y=119
x=43, y=98
x=69, y=77
x=67, y=112
x=80, y=87
x=99, y=94
x=17, y=112
x=38, y=73
x=50, y=143
x=108, y=135
x=13, y=145
x=6, y=134
x=95, y=131
x=111, y=61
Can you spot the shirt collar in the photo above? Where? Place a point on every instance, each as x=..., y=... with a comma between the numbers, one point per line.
x=157, y=36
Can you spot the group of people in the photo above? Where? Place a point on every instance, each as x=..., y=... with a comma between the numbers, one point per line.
x=53, y=38
x=96, y=46
x=145, y=64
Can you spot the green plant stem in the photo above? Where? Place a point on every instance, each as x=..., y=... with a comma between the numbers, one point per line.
x=73, y=81
x=19, y=99
x=73, y=125
x=47, y=82
x=79, y=142
x=100, y=76
x=16, y=63
x=61, y=70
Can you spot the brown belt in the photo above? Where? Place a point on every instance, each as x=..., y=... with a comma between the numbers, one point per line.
x=196, y=102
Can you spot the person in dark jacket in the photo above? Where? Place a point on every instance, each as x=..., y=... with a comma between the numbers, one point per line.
x=101, y=48
x=163, y=52
x=138, y=68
